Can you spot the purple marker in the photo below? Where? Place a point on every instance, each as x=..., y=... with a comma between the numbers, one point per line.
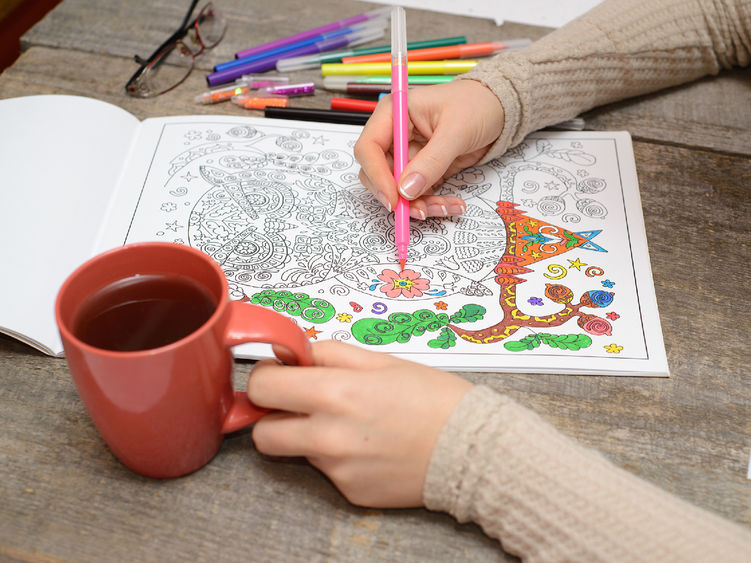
x=291, y=90
x=285, y=49
x=374, y=14
x=230, y=74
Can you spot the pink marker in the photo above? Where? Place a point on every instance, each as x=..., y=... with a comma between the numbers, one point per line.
x=401, y=124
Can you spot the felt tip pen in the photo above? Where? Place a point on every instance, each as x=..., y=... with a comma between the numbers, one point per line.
x=269, y=63
x=242, y=85
x=315, y=61
x=352, y=104
x=250, y=101
x=380, y=13
x=467, y=51
x=453, y=66
x=340, y=82
x=291, y=90
x=399, y=88
x=285, y=49
x=321, y=115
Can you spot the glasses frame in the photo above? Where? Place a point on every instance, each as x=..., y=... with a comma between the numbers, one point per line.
x=174, y=41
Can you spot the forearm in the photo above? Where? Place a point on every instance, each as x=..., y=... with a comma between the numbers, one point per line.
x=547, y=498
x=621, y=48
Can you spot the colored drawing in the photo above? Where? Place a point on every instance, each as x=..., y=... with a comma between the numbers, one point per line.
x=542, y=247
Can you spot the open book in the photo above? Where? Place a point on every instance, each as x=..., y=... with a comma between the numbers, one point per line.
x=547, y=271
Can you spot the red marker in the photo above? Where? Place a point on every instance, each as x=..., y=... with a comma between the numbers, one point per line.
x=351, y=104
x=468, y=51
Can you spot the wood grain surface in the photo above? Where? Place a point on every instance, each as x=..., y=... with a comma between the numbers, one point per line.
x=66, y=498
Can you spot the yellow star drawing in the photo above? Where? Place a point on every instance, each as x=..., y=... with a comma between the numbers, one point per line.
x=344, y=317
x=613, y=349
x=576, y=264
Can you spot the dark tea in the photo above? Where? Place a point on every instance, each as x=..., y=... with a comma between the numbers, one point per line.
x=143, y=312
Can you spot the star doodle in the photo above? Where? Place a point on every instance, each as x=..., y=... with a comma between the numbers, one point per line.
x=613, y=349
x=576, y=264
x=173, y=226
x=440, y=305
x=608, y=283
x=613, y=316
x=344, y=317
x=312, y=333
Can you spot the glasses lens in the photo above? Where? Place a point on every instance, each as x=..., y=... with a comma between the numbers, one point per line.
x=210, y=26
x=167, y=70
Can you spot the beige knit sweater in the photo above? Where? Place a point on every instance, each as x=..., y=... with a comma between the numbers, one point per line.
x=545, y=497
x=619, y=49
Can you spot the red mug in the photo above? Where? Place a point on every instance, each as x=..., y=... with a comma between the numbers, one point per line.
x=164, y=410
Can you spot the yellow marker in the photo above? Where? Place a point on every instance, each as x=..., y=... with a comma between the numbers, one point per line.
x=453, y=66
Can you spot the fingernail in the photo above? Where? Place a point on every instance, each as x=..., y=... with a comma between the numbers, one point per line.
x=456, y=209
x=382, y=198
x=417, y=214
x=412, y=186
x=437, y=210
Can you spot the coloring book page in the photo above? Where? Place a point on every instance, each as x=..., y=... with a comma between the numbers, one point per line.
x=546, y=271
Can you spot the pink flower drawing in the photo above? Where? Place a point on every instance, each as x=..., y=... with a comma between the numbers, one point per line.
x=406, y=283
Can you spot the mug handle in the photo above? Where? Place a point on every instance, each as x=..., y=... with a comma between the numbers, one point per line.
x=251, y=323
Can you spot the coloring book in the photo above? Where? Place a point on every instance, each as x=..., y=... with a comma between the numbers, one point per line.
x=547, y=271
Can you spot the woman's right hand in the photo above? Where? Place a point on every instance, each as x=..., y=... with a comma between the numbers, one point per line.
x=452, y=126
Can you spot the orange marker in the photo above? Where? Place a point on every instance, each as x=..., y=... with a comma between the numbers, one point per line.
x=467, y=51
x=260, y=102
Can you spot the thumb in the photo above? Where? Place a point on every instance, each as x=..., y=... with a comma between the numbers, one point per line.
x=429, y=165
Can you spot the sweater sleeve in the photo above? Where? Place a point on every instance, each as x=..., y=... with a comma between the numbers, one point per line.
x=619, y=49
x=547, y=498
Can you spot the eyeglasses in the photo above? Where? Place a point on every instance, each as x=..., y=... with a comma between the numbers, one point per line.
x=174, y=59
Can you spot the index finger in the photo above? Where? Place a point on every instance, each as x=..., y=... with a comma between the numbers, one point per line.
x=307, y=389
x=372, y=147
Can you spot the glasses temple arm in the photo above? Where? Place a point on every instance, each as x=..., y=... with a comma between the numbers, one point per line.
x=178, y=34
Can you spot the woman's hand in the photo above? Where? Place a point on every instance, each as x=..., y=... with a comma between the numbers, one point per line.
x=368, y=420
x=452, y=126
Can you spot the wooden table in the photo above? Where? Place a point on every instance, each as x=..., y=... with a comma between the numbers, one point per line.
x=64, y=497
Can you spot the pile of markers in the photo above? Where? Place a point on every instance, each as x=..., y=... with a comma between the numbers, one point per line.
x=362, y=71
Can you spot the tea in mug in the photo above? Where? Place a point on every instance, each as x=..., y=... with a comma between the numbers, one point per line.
x=142, y=312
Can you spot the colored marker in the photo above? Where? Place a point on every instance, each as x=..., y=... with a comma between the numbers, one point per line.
x=468, y=51
x=284, y=49
x=263, y=65
x=312, y=114
x=291, y=90
x=242, y=85
x=399, y=88
x=315, y=61
x=340, y=82
x=454, y=66
x=351, y=104
x=380, y=13
x=250, y=101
